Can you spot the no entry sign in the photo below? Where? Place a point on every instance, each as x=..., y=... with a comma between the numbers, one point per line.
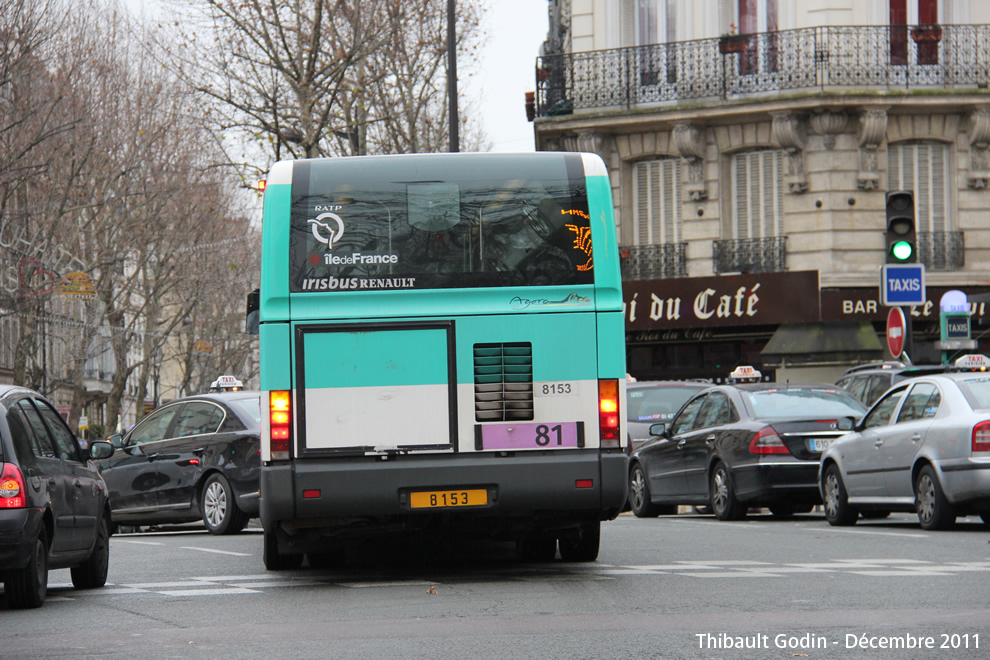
x=895, y=331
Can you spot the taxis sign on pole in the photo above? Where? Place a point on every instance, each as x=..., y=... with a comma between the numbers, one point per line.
x=902, y=284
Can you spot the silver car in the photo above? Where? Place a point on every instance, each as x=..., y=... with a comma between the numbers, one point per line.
x=924, y=446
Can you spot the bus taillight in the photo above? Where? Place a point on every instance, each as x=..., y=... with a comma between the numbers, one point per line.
x=280, y=423
x=608, y=412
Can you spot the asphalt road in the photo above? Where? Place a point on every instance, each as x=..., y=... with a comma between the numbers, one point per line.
x=677, y=587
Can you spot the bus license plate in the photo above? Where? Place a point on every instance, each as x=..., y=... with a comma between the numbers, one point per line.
x=436, y=499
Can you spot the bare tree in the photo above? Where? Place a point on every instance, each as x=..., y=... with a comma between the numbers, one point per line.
x=305, y=78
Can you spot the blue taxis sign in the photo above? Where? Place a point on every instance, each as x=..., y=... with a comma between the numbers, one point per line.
x=902, y=284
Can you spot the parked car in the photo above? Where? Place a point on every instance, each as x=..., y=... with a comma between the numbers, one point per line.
x=868, y=382
x=195, y=458
x=741, y=445
x=655, y=401
x=924, y=446
x=53, y=502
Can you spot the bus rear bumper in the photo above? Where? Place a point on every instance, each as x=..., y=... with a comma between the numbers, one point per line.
x=336, y=496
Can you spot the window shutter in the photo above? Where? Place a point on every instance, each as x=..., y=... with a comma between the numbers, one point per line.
x=758, y=200
x=657, y=190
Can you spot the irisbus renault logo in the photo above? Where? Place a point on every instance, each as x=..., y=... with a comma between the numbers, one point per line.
x=327, y=228
x=569, y=301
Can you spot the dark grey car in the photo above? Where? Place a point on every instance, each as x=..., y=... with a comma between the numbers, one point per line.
x=53, y=503
x=736, y=446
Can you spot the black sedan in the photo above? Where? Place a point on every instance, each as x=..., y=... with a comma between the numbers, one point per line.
x=740, y=445
x=195, y=458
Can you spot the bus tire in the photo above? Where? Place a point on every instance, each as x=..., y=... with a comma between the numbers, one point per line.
x=585, y=546
x=275, y=561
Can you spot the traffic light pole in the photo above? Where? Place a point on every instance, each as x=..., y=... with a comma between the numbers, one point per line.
x=908, y=348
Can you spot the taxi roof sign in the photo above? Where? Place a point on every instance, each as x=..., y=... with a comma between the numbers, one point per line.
x=226, y=384
x=745, y=373
x=974, y=362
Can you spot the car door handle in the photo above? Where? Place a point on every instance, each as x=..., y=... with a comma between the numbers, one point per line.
x=77, y=483
x=681, y=443
x=710, y=440
x=916, y=438
x=878, y=444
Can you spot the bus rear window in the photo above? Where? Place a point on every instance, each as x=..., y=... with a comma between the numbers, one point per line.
x=366, y=223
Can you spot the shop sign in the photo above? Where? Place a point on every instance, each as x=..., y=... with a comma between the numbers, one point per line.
x=721, y=301
x=863, y=304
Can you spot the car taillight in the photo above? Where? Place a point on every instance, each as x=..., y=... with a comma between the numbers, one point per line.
x=766, y=441
x=279, y=424
x=11, y=487
x=608, y=412
x=981, y=437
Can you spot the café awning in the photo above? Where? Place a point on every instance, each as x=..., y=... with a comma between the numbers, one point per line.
x=839, y=342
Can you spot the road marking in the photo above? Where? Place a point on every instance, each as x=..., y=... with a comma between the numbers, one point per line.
x=716, y=569
x=865, y=532
x=224, y=591
x=137, y=542
x=219, y=552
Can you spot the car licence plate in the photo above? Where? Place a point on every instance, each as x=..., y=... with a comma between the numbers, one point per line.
x=435, y=499
x=820, y=444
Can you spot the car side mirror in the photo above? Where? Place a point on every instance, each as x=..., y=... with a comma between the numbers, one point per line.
x=846, y=423
x=101, y=449
x=658, y=429
x=116, y=440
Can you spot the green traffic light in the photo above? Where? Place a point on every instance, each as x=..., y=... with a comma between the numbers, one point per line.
x=902, y=250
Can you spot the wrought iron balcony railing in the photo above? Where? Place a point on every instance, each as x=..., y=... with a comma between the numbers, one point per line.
x=750, y=255
x=809, y=59
x=942, y=250
x=653, y=262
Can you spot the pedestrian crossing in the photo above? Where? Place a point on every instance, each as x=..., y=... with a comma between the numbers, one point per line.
x=232, y=585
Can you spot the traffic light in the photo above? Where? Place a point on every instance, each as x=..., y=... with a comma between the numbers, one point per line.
x=901, y=235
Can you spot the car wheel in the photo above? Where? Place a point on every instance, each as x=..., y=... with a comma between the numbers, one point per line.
x=585, y=546
x=27, y=587
x=934, y=511
x=220, y=512
x=537, y=547
x=639, y=494
x=92, y=573
x=837, y=509
x=725, y=505
x=274, y=560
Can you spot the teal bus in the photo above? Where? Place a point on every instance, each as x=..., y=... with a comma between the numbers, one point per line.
x=442, y=352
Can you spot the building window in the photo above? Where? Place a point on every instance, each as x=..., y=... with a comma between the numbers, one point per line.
x=922, y=167
x=657, y=191
x=757, y=194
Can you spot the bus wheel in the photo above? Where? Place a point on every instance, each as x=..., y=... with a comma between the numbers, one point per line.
x=585, y=546
x=274, y=561
x=537, y=547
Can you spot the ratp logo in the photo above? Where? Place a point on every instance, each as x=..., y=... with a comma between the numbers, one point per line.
x=320, y=224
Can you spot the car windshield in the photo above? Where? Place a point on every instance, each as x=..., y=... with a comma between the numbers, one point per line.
x=652, y=403
x=782, y=403
x=977, y=392
x=249, y=406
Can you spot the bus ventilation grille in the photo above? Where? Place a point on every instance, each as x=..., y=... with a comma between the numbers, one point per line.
x=503, y=382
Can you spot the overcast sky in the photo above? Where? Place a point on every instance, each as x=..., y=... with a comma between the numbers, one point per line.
x=516, y=29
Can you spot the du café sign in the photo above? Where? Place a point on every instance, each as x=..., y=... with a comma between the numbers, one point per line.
x=716, y=302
